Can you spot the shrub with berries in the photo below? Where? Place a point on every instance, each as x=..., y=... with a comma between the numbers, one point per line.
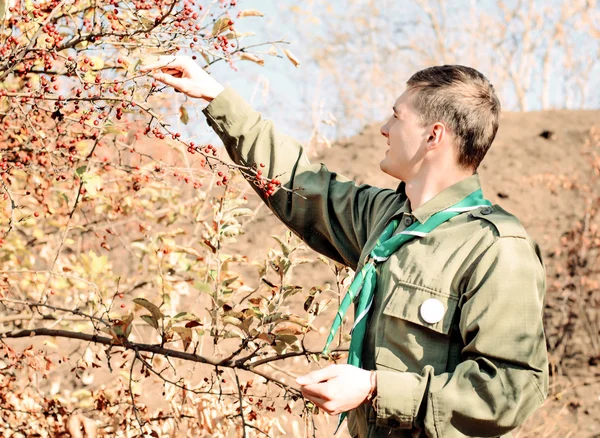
x=114, y=234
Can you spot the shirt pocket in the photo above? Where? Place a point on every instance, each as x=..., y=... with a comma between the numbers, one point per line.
x=416, y=328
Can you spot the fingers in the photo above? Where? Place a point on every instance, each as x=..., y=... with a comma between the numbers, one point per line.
x=163, y=61
x=318, y=390
x=75, y=423
x=315, y=399
x=173, y=62
x=323, y=403
x=74, y=427
x=172, y=72
x=89, y=426
x=177, y=83
x=318, y=376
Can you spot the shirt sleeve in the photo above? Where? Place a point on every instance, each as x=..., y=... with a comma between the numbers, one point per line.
x=333, y=215
x=503, y=374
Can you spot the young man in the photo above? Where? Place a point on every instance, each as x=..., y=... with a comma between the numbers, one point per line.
x=451, y=340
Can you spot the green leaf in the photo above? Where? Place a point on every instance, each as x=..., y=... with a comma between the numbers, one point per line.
x=150, y=320
x=229, y=280
x=203, y=287
x=285, y=249
x=241, y=212
x=80, y=171
x=291, y=290
x=231, y=230
x=231, y=334
x=152, y=308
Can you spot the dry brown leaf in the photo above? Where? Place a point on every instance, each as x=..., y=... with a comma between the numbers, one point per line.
x=250, y=13
x=253, y=58
x=291, y=57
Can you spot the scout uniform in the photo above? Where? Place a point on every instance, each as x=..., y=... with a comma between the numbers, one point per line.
x=455, y=331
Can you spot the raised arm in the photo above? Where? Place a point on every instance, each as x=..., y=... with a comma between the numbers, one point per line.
x=333, y=215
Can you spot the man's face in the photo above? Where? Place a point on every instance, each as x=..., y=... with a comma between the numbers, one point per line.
x=406, y=138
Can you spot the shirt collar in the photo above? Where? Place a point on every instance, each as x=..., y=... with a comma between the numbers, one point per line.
x=445, y=199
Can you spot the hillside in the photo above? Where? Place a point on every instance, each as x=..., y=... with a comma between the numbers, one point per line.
x=545, y=182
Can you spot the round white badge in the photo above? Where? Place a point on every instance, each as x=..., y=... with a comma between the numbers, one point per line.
x=432, y=311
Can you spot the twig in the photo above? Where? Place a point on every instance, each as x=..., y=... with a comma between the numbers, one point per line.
x=135, y=409
x=241, y=398
x=56, y=308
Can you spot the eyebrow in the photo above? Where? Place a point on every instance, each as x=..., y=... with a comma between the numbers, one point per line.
x=394, y=109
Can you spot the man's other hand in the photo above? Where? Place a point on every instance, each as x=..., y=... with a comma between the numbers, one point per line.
x=183, y=74
x=337, y=388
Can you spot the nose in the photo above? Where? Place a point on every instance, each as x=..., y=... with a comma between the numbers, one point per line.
x=385, y=130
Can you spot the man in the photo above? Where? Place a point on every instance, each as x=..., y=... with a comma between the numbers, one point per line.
x=454, y=345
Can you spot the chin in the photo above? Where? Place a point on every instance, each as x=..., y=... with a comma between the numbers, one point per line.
x=385, y=168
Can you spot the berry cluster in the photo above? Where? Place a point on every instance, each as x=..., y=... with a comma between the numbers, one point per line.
x=268, y=186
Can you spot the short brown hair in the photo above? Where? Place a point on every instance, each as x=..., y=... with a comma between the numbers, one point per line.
x=465, y=101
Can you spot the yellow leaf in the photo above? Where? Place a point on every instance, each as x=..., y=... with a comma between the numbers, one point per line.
x=234, y=35
x=253, y=58
x=92, y=183
x=98, y=63
x=250, y=13
x=221, y=25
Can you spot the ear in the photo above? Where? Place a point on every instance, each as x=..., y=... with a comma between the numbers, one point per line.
x=437, y=135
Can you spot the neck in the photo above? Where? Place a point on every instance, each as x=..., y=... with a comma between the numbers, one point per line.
x=427, y=184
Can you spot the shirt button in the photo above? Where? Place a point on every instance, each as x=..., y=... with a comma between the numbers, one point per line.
x=408, y=221
x=432, y=311
x=393, y=422
x=486, y=210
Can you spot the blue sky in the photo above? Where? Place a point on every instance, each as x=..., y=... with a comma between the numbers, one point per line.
x=286, y=94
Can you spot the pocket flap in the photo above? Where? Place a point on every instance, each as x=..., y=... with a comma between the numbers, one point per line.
x=420, y=305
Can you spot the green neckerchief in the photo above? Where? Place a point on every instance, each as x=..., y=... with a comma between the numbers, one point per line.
x=363, y=285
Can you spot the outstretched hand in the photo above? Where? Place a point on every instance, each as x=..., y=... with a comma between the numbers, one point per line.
x=183, y=74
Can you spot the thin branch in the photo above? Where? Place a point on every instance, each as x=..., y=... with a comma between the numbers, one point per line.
x=135, y=409
x=285, y=356
x=55, y=308
x=241, y=399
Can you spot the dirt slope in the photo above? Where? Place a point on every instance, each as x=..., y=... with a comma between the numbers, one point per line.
x=540, y=180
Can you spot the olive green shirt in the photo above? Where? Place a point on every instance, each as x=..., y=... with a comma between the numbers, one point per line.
x=478, y=371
